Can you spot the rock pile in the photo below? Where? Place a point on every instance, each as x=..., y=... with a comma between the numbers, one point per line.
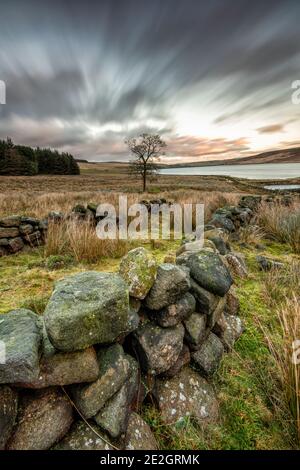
x=16, y=232
x=75, y=378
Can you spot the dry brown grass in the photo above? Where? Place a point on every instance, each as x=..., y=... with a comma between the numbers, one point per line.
x=281, y=223
x=40, y=204
x=81, y=242
x=281, y=294
x=283, y=349
x=251, y=234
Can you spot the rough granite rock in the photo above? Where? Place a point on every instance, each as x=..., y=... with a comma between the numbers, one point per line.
x=229, y=328
x=139, y=435
x=232, y=306
x=184, y=359
x=221, y=221
x=15, y=244
x=186, y=395
x=8, y=413
x=175, y=313
x=252, y=202
x=138, y=269
x=87, y=308
x=44, y=417
x=158, y=348
x=236, y=267
x=9, y=232
x=194, y=246
x=114, y=416
x=170, y=284
x=195, y=330
x=221, y=245
x=208, y=357
x=10, y=221
x=26, y=229
x=266, y=264
x=66, y=368
x=206, y=301
x=21, y=336
x=84, y=436
x=114, y=370
x=209, y=271
x=216, y=314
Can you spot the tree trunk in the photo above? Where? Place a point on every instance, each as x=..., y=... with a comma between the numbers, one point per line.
x=144, y=179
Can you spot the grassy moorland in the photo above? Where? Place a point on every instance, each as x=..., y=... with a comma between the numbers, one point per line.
x=257, y=386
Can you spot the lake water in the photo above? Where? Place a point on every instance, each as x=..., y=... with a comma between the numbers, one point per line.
x=263, y=171
x=282, y=187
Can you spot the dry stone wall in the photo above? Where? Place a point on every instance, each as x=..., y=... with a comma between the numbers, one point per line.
x=77, y=376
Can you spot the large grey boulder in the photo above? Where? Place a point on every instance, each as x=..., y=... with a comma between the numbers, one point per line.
x=170, y=284
x=84, y=436
x=186, y=395
x=8, y=413
x=209, y=271
x=139, y=435
x=65, y=369
x=114, y=416
x=158, y=348
x=208, y=357
x=177, y=312
x=114, y=369
x=138, y=269
x=20, y=340
x=44, y=417
x=195, y=330
x=87, y=308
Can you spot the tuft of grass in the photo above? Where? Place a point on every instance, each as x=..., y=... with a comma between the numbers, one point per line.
x=251, y=234
x=58, y=261
x=80, y=241
x=281, y=223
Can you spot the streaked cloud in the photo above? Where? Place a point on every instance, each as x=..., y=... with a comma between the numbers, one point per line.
x=213, y=77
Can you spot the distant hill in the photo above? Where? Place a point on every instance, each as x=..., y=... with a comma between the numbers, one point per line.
x=274, y=156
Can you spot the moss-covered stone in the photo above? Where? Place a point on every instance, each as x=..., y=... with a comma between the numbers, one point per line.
x=86, y=309
x=186, y=395
x=138, y=269
x=158, y=347
x=209, y=271
x=20, y=338
x=114, y=370
x=170, y=284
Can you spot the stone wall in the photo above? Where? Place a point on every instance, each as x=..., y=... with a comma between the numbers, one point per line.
x=16, y=232
x=77, y=376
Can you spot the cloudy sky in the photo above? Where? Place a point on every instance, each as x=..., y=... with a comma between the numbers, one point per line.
x=214, y=78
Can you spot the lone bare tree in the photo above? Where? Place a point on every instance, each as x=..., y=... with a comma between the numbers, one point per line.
x=145, y=150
